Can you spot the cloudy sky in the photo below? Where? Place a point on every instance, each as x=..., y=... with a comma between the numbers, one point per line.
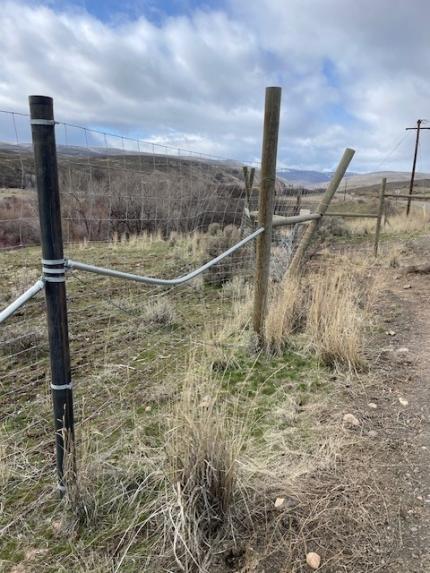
x=192, y=73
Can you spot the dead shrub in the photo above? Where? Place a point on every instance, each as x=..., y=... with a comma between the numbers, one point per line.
x=332, y=227
x=19, y=221
x=226, y=269
x=214, y=229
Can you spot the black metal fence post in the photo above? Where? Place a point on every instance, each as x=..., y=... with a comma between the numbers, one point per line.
x=45, y=158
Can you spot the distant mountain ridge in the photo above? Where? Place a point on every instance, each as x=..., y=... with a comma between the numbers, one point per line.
x=313, y=179
x=308, y=178
x=303, y=176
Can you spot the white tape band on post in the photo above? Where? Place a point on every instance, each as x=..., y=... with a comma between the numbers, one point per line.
x=53, y=261
x=53, y=267
x=59, y=271
x=54, y=279
x=61, y=387
x=43, y=122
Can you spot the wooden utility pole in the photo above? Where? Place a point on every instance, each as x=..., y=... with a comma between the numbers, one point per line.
x=418, y=128
x=272, y=113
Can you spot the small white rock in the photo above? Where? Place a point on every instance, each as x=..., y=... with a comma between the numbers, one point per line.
x=407, y=286
x=372, y=405
x=402, y=350
x=279, y=502
x=313, y=560
x=403, y=402
x=351, y=420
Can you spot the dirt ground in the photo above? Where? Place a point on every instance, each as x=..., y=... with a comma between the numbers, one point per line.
x=395, y=414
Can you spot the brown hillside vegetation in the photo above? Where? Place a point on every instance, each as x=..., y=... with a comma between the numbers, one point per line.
x=129, y=194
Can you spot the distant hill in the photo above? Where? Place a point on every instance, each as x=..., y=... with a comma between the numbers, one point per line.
x=302, y=177
x=367, y=179
x=11, y=170
x=314, y=179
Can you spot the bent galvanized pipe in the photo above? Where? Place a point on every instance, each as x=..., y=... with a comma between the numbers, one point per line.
x=16, y=304
x=162, y=282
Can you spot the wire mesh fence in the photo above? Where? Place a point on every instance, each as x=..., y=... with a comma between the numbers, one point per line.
x=145, y=209
x=133, y=206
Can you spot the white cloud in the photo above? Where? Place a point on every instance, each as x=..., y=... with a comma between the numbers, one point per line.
x=354, y=74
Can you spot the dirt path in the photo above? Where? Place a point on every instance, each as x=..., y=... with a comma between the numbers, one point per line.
x=399, y=418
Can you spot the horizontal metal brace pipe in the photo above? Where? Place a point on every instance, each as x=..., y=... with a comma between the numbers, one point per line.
x=162, y=282
x=394, y=196
x=280, y=220
x=16, y=304
x=355, y=215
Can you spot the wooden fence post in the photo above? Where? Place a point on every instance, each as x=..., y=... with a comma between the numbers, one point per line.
x=266, y=205
x=248, y=176
x=380, y=213
x=45, y=160
x=322, y=208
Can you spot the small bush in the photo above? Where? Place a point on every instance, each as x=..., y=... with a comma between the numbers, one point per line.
x=225, y=270
x=160, y=312
x=214, y=229
x=332, y=227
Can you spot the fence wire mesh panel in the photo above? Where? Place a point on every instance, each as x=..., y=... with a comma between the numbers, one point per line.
x=131, y=206
x=150, y=210
x=138, y=207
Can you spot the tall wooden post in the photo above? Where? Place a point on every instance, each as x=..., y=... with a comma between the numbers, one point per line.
x=414, y=164
x=380, y=213
x=322, y=208
x=45, y=159
x=266, y=205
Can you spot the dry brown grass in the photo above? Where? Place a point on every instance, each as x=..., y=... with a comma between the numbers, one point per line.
x=396, y=223
x=335, y=323
x=284, y=312
x=190, y=484
x=160, y=312
x=329, y=307
x=204, y=443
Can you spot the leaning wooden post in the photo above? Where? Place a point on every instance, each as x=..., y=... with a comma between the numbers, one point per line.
x=45, y=160
x=380, y=213
x=322, y=208
x=266, y=205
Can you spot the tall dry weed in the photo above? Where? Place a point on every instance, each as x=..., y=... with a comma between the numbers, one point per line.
x=335, y=322
x=203, y=446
